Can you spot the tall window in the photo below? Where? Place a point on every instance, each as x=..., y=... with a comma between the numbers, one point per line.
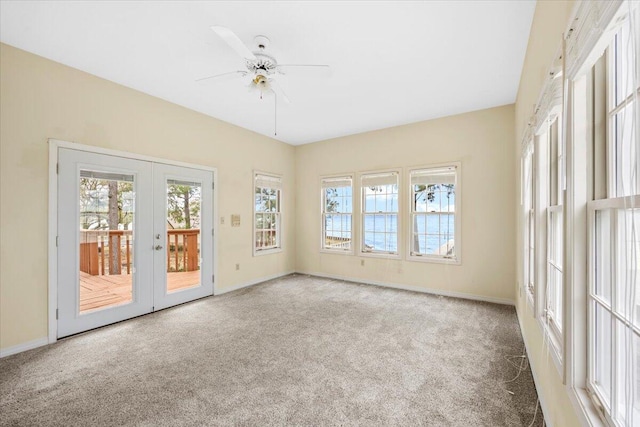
x=554, y=288
x=434, y=213
x=528, y=221
x=267, y=205
x=380, y=213
x=337, y=208
x=614, y=285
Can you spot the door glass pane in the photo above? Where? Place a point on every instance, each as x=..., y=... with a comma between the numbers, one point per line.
x=183, y=235
x=107, y=207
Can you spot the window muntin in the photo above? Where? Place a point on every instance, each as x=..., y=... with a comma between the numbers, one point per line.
x=379, y=213
x=337, y=209
x=267, y=212
x=433, y=213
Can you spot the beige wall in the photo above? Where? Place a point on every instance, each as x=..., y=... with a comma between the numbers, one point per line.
x=550, y=21
x=483, y=142
x=40, y=99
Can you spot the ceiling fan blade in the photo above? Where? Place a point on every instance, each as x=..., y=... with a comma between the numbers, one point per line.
x=234, y=41
x=230, y=74
x=277, y=89
x=284, y=68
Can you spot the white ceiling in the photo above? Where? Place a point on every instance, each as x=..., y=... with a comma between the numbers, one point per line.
x=392, y=62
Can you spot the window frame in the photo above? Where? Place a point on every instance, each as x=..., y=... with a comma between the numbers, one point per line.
x=549, y=200
x=430, y=258
x=323, y=248
x=613, y=201
x=555, y=331
x=362, y=201
x=613, y=107
x=278, y=213
x=528, y=218
x=611, y=307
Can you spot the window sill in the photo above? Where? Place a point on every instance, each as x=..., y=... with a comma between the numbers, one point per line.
x=266, y=251
x=434, y=260
x=336, y=251
x=555, y=344
x=380, y=255
x=529, y=297
x=584, y=407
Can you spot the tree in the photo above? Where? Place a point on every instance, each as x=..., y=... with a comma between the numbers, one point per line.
x=426, y=193
x=94, y=203
x=266, y=205
x=331, y=201
x=107, y=205
x=125, y=204
x=183, y=204
x=114, y=241
x=90, y=190
x=331, y=205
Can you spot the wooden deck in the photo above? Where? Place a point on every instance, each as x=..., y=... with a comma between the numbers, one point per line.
x=107, y=290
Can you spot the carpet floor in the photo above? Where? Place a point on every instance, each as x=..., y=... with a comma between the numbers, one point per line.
x=298, y=350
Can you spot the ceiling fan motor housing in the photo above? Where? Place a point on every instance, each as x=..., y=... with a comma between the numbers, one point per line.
x=264, y=64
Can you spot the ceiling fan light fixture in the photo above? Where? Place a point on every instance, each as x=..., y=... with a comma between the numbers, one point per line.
x=260, y=83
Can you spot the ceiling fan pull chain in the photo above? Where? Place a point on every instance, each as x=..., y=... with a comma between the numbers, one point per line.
x=275, y=114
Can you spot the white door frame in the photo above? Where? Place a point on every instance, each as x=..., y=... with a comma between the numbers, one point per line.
x=54, y=145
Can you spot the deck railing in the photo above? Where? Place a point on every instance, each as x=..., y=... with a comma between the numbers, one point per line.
x=110, y=251
x=333, y=242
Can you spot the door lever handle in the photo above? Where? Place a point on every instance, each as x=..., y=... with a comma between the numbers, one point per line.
x=158, y=247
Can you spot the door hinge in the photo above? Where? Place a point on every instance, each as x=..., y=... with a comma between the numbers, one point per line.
x=213, y=185
x=57, y=168
x=213, y=231
x=213, y=278
x=57, y=238
x=56, y=314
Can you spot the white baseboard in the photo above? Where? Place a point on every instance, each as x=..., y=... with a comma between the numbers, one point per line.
x=543, y=402
x=24, y=347
x=250, y=283
x=431, y=291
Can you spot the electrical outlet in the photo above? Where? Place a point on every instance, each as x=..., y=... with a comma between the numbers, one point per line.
x=237, y=267
x=221, y=220
x=362, y=263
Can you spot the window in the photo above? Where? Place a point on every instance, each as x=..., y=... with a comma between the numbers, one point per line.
x=553, y=301
x=528, y=221
x=337, y=208
x=380, y=213
x=267, y=208
x=434, y=214
x=613, y=374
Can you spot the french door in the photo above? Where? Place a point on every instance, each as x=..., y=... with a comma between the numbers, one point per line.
x=133, y=237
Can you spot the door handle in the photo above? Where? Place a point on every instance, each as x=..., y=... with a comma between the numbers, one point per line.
x=158, y=247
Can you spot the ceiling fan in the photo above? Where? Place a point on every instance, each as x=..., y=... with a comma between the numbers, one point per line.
x=262, y=68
